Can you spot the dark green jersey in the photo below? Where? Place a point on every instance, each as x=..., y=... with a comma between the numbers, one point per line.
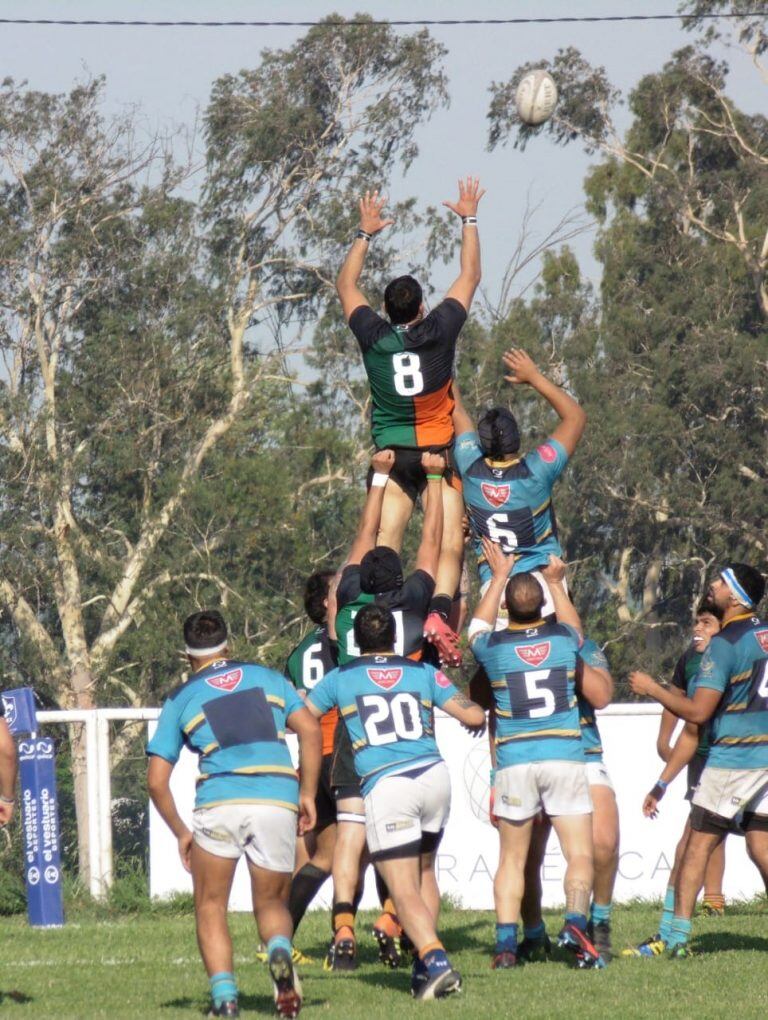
x=311, y=659
x=685, y=673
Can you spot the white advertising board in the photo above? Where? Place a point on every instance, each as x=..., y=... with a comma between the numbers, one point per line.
x=468, y=855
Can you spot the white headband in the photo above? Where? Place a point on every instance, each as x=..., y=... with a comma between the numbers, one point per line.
x=200, y=653
x=736, y=590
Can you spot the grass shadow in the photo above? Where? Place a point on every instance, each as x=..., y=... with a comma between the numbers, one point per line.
x=256, y=1003
x=20, y=998
x=717, y=942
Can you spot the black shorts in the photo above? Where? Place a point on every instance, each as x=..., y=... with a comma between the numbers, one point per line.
x=696, y=766
x=325, y=805
x=345, y=781
x=411, y=476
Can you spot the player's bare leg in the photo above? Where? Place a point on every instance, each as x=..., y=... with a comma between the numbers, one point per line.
x=430, y=891
x=690, y=879
x=757, y=848
x=270, y=890
x=347, y=855
x=575, y=835
x=212, y=880
x=433, y=976
x=447, y=580
x=396, y=512
x=605, y=835
x=713, y=900
x=535, y=944
x=508, y=888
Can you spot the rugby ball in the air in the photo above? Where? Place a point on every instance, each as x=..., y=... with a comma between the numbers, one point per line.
x=536, y=97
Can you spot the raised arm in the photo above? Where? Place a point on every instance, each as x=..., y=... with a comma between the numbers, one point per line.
x=697, y=709
x=463, y=289
x=432, y=530
x=370, y=518
x=371, y=222
x=462, y=422
x=572, y=416
x=486, y=613
x=565, y=611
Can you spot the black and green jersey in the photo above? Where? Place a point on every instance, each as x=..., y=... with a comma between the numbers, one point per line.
x=685, y=673
x=311, y=659
x=410, y=371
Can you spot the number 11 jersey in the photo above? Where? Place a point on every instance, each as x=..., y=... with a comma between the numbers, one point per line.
x=386, y=703
x=410, y=373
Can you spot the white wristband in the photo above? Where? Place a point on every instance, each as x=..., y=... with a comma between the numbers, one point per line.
x=379, y=480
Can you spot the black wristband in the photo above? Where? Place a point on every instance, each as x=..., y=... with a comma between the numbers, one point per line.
x=658, y=791
x=469, y=221
x=363, y=235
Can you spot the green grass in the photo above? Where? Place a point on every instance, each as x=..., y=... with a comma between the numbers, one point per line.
x=105, y=963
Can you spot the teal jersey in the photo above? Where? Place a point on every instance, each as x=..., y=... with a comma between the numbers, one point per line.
x=387, y=704
x=511, y=504
x=591, y=654
x=233, y=715
x=532, y=673
x=736, y=664
x=684, y=678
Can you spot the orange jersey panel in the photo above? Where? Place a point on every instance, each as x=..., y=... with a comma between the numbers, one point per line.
x=434, y=424
x=328, y=723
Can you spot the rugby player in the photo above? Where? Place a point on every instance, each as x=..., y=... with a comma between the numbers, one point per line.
x=375, y=574
x=730, y=691
x=386, y=702
x=307, y=664
x=690, y=750
x=509, y=496
x=540, y=761
x=234, y=716
x=408, y=357
x=8, y=767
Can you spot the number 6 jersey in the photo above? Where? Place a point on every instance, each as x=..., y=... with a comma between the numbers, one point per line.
x=410, y=371
x=386, y=703
x=532, y=672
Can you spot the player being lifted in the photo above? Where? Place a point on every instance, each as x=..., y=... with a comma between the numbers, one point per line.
x=509, y=496
x=374, y=574
x=386, y=702
x=730, y=691
x=409, y=357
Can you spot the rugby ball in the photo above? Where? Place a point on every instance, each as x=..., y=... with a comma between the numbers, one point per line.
x=536, y=97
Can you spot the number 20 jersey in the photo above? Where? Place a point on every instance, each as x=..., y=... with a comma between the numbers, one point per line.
x=410, y=373
x=532, y=673
x=387, y=705
x=511, y=504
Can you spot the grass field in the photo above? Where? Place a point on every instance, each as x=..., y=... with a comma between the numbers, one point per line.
x=146, y=965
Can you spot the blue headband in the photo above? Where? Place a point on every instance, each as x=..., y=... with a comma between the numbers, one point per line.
x=736, y=590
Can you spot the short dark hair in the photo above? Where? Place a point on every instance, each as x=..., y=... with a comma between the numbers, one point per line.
x=708, y=606
x=315, y=595
x=374, y=628
x=524, y=597
x=402, y=300
x=205, y=629
x=751, y=580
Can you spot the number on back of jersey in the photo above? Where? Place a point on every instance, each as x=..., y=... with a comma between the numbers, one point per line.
x=312, y=665
x=538, y=693
x=407, y=374
x=390, y=717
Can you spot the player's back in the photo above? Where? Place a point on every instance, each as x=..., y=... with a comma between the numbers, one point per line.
x=410, y=372
x=532, y=673
x=313, y=657
x=739, y=728
x=387, y=704
x=511, y=502
x=233, y=715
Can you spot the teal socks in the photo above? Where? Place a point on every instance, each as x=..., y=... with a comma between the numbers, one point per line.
x=278, y=942
x=506, y=938
x=223, y=988
x=667, y=914
x=680, y=932
x=600, y=912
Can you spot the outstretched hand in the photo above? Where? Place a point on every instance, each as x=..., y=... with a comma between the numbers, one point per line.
x=521, y=366
x=371, y=206
x=499, y=562
x=470, y=194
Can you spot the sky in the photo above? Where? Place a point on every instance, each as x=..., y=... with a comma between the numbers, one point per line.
x=168, y=72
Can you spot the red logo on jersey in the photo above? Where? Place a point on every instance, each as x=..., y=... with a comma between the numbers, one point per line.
x=496, y=495
x=386, y=678
x=441, y=679
x=225, y=681
x=762, y=637
x=534, y=655
x=547, y=453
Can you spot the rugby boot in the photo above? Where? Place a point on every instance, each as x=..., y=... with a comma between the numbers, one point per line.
x=438, y=633
x=653, y=946
x=682, y=951
x=600, y=935
x=342, y=955
x=535, y=950
x=505, y=960
x=225, y=1009
x=387, y=932
x=287, y=987
x=576, y=941
x=438, y=984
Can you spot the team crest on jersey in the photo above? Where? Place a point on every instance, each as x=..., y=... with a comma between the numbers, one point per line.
x=385, y=678
x=441, y=679
x=547, y=453
x=762, y=638
x=496, y=495
x=534, y=655
x=225, y=681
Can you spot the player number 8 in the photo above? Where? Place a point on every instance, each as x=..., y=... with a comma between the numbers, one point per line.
x=408, y=378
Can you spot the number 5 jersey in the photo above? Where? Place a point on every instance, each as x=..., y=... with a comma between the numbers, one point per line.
x=410, y=371
x=386, y=703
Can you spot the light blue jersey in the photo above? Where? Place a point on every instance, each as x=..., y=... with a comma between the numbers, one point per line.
x=386, y=703
x=233, y=715
x=511, y=504
x=736, y=664
x=591, y=654
x=532, y=672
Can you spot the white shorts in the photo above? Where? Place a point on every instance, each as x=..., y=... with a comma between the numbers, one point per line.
x=598, y=775
x=554, y=787
x=265, y=833
x=728, y=792
x=406, y=815
x=547, y=609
